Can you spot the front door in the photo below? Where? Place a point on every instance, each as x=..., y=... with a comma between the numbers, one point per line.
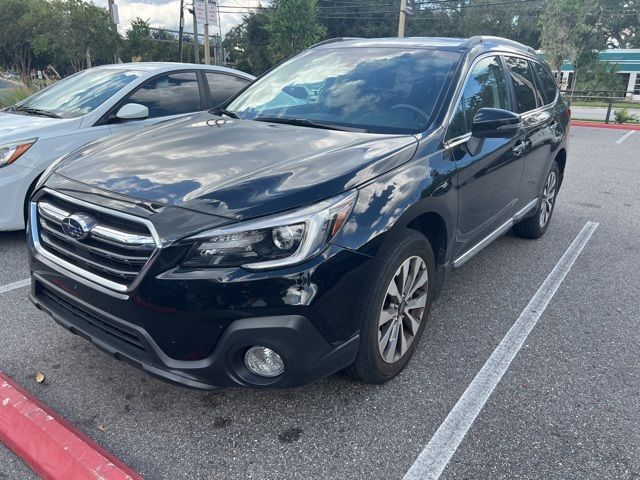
x=166, y=96
x=487, y=179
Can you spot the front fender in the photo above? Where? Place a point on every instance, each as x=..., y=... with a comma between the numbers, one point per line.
x=392, y=201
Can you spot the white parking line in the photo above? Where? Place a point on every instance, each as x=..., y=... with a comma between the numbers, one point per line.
x=625, y=136
x=12, y=286
x=444, y=443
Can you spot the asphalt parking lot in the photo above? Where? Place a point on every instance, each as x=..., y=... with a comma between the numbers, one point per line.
x=567, y=407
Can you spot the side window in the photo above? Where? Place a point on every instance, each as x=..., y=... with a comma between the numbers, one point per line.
x=170, y=94
x=485, y=88
x=548, y=83
x=223, y=86
x=527, y=96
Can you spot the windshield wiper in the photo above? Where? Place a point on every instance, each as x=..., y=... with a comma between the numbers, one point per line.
x=305, y=122
x=224, y=111
x=35, y=111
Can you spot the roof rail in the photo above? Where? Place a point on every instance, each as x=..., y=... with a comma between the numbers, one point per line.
x=478, y=39
x=333, y=40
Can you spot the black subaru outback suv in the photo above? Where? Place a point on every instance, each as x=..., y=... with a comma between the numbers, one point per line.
x=305, y=226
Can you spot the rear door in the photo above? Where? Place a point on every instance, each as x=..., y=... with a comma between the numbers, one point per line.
x=537, y=121
x=222, y=86
x=487, y=180
x=549, y=135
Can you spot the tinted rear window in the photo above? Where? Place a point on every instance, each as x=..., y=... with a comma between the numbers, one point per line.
x=527, y=95
x=546, y=80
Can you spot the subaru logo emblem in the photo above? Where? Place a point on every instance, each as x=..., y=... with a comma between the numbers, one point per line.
x=78, y=226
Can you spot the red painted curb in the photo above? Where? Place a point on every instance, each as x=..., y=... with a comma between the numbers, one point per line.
x=50, y=445
x=613, y=126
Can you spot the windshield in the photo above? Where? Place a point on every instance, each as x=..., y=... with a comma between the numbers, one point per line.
x=79, y=94
x=381, y=90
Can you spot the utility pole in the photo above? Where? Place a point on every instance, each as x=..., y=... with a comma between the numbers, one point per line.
x=114, y=18
x=196, y=44
x=181, y=30
x=403, y=16
x=207, y=51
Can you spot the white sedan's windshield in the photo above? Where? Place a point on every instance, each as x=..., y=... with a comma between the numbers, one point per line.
x=80, y=93
x=385, y=90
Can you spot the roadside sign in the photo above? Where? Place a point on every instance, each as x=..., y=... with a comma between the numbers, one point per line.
x=409, y=9
x=206, y=13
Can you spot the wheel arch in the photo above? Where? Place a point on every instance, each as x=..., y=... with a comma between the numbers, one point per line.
x=561, y=160
x=433, y=226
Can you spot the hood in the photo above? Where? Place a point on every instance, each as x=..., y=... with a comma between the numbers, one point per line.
x=16, y=127
x=235, y=168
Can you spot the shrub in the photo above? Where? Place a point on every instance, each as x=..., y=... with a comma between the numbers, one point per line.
x=623, y=116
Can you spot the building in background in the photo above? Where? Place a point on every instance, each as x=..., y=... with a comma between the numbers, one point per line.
x=627, y=61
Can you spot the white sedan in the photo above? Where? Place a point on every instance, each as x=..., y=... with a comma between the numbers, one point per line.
x=94, y=103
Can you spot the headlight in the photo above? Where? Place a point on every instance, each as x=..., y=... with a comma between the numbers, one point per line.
x=274, y=241
x=10, y=152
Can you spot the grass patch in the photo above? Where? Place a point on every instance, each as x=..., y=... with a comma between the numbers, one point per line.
x=11, y=96
x=585, y=103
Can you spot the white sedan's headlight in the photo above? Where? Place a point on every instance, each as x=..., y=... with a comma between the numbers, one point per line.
x=275, y=241
x=10, y=152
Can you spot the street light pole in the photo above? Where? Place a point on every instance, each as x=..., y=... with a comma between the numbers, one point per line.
x=403, y=16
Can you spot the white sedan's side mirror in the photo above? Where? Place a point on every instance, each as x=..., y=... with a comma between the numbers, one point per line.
x=132, y=111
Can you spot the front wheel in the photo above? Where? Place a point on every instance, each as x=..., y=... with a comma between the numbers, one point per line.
x=394, y=311
x=536, y=225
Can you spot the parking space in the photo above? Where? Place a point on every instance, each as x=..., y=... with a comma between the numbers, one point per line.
x=567, y=407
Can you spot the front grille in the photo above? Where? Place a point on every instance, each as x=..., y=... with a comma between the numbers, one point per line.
x=116, y=249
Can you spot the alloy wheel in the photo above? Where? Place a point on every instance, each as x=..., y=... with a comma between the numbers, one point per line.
x=548, y=197
x=402, y=309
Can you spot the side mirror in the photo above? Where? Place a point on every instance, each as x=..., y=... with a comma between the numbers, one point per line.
x=132, y=111
x=495, y=123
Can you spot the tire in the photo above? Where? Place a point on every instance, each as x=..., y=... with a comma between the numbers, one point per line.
x=536, y=225
x=373, y=363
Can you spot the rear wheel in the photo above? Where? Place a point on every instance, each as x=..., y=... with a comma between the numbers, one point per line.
x=536, y=225
x=394, y=312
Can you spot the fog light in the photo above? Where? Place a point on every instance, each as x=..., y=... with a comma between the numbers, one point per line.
x=264, y=362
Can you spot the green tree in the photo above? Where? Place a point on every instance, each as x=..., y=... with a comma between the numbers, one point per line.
x=292, y=27
x=74, y=31
x=570, y=32
x=19, y=22
x=248, y=43
x=600, y=76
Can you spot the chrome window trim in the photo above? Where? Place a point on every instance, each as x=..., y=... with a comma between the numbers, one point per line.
x=90, y=278
x=469, y=254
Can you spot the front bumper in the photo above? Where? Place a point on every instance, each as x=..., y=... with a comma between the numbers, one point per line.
x=193, y=326
x=15, y=181
x=307, y=355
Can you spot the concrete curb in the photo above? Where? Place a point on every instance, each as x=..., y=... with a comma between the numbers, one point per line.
x=48, y=444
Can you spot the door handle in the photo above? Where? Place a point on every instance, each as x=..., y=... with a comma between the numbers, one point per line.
x=519, y=148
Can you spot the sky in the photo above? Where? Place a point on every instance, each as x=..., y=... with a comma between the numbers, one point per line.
x=165, y=13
